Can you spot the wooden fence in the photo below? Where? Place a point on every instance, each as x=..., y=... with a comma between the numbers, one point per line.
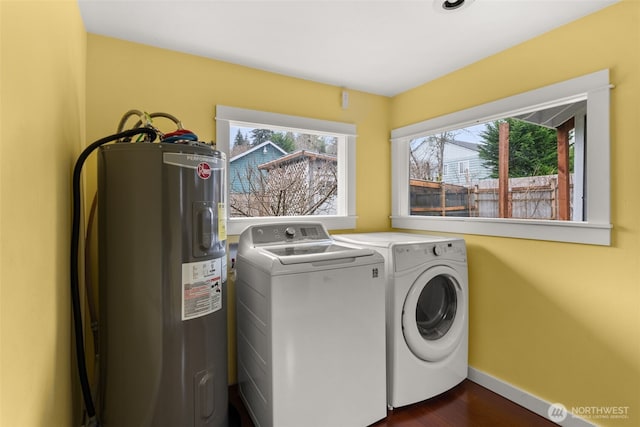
x=430, y=198
x=528, y=198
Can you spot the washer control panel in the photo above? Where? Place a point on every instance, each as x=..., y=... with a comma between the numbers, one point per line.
x=288, y=233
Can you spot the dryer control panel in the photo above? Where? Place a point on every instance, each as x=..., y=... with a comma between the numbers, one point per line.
x=408, y=256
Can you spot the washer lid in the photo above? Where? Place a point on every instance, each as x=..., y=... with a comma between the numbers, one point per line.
x=306, y=253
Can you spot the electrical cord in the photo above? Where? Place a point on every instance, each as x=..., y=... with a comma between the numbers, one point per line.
x=93, y=313
x=75, y=292
x=91, y=302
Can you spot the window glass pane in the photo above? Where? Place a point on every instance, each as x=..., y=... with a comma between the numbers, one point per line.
x=520, y=166
x=282, y=172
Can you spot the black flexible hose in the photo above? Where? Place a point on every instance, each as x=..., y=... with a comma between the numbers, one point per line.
x=75, y=236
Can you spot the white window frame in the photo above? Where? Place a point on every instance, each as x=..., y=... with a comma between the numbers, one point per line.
x=345, y=217
x=596, y=229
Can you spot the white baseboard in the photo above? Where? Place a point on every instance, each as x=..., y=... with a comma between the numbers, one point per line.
x=523, y=398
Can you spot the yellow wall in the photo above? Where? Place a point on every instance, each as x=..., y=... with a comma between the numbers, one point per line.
x=42, y=76
x=561, y=321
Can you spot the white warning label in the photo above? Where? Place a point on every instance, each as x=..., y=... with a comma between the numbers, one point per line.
x=201, y=288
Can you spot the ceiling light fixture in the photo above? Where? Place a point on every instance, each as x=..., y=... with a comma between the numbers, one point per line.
x=452, y=5
x=446, y=6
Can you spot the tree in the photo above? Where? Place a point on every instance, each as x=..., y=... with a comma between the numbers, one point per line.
x=315, y=143
x=240, y=144
x=427, y=161
x=284, y=141
x=427, y=156
x=304, y=188
x=240, y=139
x=533, y=149
x=258, y=136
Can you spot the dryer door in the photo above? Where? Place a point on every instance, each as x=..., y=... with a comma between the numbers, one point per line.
x=434, y=314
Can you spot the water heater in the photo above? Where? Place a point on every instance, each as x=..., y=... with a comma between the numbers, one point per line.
x=162, y=262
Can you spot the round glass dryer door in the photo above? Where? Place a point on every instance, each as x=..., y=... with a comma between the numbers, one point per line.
x=434, y=314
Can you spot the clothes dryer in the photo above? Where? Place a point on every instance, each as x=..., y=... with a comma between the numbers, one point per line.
x=310, y=328
x=427, y=312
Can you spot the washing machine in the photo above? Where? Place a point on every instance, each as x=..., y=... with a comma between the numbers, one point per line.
x=310, y=328
x=427, y=312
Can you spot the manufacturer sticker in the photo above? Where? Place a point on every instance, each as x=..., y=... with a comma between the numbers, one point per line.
x=201, y=288
x=222, y=221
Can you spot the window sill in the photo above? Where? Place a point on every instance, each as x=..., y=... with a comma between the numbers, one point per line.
x=555, y=231
x=235, y=226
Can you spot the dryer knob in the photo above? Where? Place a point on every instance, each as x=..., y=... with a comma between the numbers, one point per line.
x=438, y=250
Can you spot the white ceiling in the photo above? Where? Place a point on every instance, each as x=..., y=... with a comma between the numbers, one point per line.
x=382, y=47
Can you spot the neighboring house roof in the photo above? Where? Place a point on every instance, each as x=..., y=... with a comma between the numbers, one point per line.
x=298, y=156
x=257, y=147
x=424, y=148
x=468, y=145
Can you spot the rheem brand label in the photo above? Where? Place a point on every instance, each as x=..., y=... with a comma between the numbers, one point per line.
x=204, y=170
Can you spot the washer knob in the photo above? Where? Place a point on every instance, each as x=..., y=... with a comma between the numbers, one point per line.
x=290, y=232
x=438, y=250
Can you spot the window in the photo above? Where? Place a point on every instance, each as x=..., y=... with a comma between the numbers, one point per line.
x=286, y=166
x=518, y=167
x=463, y=167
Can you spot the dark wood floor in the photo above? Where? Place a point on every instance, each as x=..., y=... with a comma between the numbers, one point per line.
x=467, y=405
